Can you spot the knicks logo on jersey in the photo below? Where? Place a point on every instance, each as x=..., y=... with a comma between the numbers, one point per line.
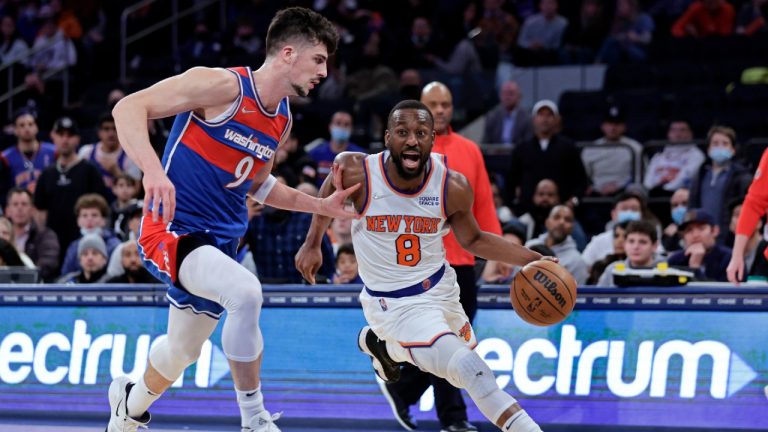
x=466, y=332
x=410, y=224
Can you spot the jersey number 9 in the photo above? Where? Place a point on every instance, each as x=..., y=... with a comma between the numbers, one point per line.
x=242, y=171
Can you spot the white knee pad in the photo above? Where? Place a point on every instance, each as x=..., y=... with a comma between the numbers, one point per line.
x=209, y=273
x=451, y=359
x=171, y=362
x=187, y=332
x=241, y=337
x=468, y=371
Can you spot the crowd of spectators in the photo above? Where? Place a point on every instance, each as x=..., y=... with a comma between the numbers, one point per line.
x=71, y=197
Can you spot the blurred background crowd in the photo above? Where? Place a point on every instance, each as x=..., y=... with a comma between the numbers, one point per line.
x=648, y=165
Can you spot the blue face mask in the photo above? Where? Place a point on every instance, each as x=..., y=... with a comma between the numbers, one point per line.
x=678, y=213
x=628, y=215
x=340, y=133
x=720, y=155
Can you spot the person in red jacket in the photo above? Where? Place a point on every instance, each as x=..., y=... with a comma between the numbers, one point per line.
x=706, y=18
x=754, y=207
x=464, y=156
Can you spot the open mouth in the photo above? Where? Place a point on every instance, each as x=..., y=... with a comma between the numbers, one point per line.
x=411, y=160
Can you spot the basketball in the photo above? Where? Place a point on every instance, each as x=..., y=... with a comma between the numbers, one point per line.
x=543, y=293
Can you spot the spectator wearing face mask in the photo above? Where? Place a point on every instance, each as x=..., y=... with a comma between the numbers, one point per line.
x=340, y=130
x=678, y=202
x=627, y=207
x=721, y=179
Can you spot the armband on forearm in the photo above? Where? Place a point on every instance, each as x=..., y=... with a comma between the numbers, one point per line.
x=265, y=188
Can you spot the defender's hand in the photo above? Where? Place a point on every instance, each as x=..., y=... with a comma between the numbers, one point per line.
x=333, y=205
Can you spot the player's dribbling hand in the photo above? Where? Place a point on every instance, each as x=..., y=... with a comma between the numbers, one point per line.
x=159, y=190
x=334, y=204
x=550, y=258
x=308, y=261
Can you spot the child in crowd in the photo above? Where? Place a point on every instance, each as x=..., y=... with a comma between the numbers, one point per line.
x=126, y=189
x=346, y=266
x=640, y=243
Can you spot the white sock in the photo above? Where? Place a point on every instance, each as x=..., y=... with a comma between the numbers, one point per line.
x=140, y=399
x=521, y=422
x=251, y=402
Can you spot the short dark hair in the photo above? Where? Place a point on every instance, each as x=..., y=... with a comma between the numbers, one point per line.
x=106, y=117
x=128, y=179
x=622, y=225
x=92, y=200
x=516, y=229
x=9, y=254
x=725, y=130
x=299, y=22
x=346, y=248
x=22, y=112
x=624, y=196
x=542, y=249
x=642, y=227
x=20, y=190
x=678, y=119
x=409, y=104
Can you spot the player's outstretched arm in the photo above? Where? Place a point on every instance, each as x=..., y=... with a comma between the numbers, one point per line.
x=288, y=198
x=309, y=258
x=469, y=235
x=195, y=89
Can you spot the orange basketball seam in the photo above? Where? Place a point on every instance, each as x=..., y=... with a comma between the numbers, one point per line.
x=523, y=308
x=555, y=275
x=542, y=295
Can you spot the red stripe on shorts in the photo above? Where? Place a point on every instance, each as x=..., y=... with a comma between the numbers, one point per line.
x=159, y=246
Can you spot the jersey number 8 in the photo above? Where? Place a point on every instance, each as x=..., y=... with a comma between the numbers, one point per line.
x=408, y=250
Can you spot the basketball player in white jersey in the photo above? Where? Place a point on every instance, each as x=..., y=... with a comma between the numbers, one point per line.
x=411, y=298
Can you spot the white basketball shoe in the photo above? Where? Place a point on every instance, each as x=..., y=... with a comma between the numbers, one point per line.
x=119, y=420
x=263, y=422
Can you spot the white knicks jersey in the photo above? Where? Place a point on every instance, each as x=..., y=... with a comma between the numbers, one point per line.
x=399, y=238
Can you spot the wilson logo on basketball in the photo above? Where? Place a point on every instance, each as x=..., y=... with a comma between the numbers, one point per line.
x=466, y=332
x=550, y=286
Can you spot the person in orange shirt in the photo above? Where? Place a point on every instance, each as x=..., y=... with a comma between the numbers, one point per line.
x=754, y=207
x=464, y=156
x=706, y=18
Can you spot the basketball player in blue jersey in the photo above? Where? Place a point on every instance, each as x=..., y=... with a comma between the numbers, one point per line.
x=411, y=297
x=228, y=125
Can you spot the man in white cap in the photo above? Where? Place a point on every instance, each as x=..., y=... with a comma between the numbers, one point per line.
x=547, y=155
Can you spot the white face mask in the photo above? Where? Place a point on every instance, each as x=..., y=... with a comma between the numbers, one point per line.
x=86, y=231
